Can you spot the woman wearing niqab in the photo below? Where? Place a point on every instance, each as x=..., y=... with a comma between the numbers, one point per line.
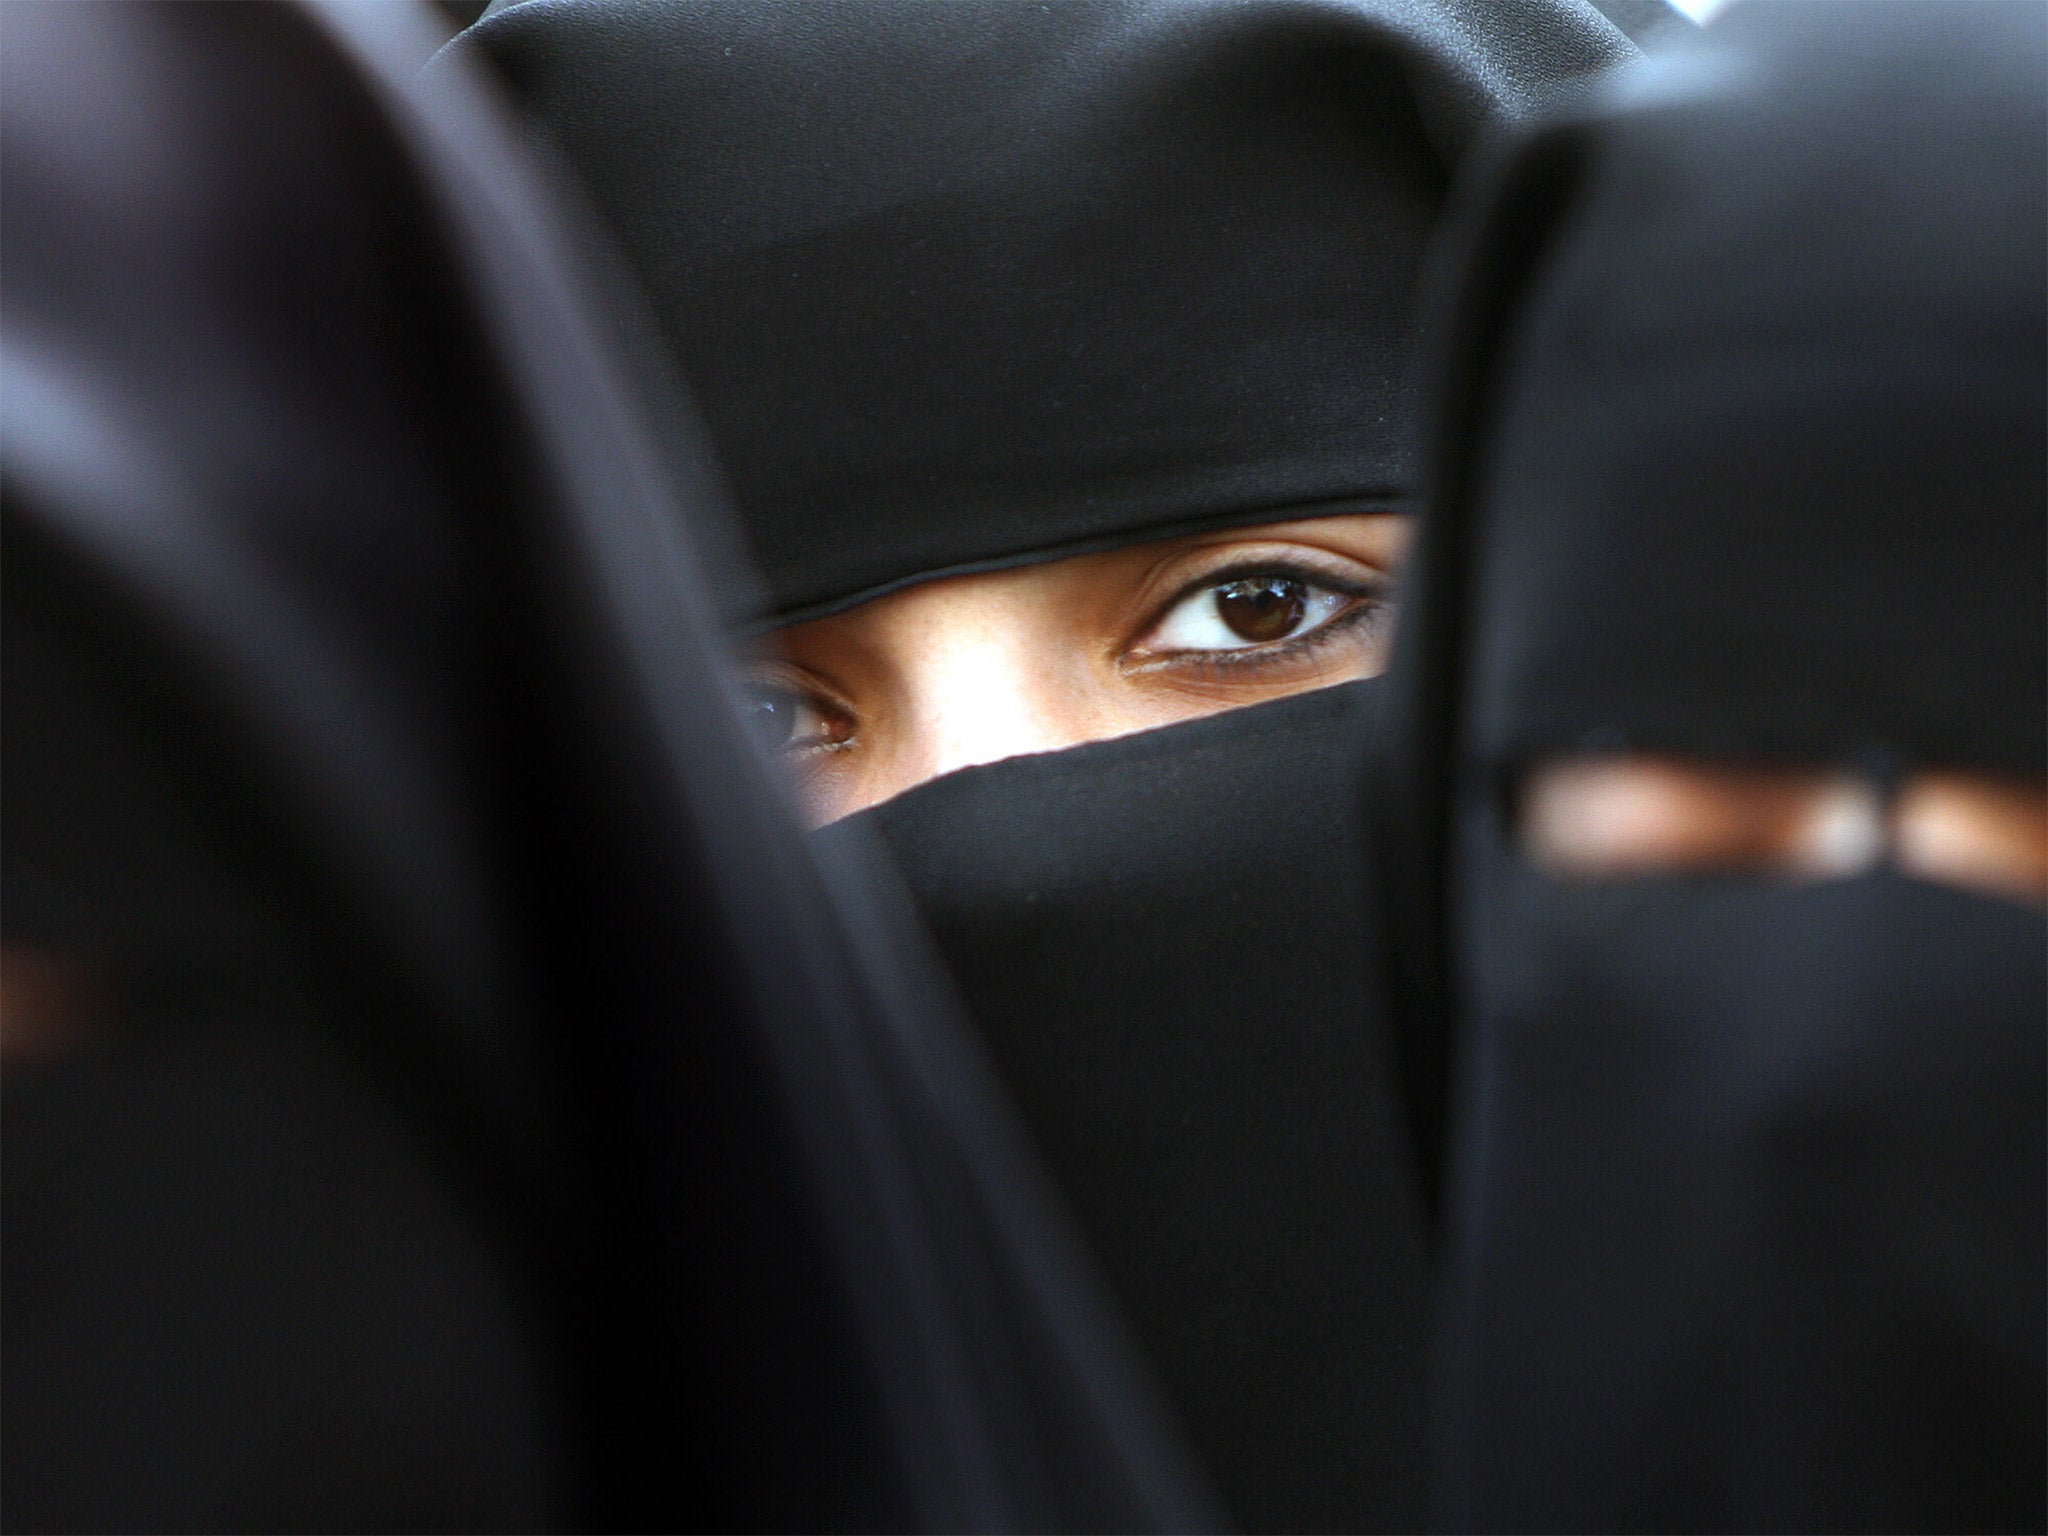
x=979, y=291
x=1720, y=740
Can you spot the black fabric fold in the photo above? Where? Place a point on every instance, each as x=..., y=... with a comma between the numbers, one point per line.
x=1164, y=942
x=490, y=1117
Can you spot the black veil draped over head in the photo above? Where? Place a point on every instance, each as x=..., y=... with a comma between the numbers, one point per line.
x=964, y=285
x=447, y=1094
x=1744, y=459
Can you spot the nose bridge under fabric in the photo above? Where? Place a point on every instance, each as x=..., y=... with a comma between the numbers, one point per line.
x=1741, y=465
x=981, y=696
x=1164, y=941
x=492, y=1118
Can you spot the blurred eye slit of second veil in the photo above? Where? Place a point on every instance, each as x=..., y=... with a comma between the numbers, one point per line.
x=971, y=288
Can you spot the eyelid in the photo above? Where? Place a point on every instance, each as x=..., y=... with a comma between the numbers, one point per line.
x=780, y=672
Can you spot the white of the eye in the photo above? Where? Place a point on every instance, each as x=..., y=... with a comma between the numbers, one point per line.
x=807, y=726
x=1844, y=835
x=1196, y=624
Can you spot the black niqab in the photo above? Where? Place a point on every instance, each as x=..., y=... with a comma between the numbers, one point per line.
x=1743, y=460
x=1163, y=941
x=963, y=285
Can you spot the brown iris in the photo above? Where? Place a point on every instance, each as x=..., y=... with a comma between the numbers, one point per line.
x=1262, y=608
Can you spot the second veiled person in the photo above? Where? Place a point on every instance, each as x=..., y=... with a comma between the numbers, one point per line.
x=1724, y=737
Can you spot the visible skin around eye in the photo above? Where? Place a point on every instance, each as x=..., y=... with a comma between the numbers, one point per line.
x=1638, y=815
x=48, y=1001
x=971, y=669
x=1984, y=834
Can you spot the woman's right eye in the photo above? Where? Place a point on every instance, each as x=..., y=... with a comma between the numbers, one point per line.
x=789, y=720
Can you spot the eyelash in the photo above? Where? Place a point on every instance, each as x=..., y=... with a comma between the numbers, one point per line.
x=1374, y=605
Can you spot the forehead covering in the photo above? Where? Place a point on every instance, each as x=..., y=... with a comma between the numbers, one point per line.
x=1765, y=477
x=963, y=285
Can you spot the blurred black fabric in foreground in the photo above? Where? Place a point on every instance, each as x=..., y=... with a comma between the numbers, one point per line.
x=445, y=1094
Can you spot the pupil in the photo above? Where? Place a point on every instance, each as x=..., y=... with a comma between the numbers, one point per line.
x=1262, y=607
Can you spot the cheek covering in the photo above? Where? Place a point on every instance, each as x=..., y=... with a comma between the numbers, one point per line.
x=490, y=1117
x=1743, y=459
x=1163, y=940
x=968, y=284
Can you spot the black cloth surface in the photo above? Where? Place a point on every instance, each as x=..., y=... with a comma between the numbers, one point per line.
x=486, y=1114
x=1163, y=940
x=1649, y=24
x=1742, y=459
x=962, y=285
